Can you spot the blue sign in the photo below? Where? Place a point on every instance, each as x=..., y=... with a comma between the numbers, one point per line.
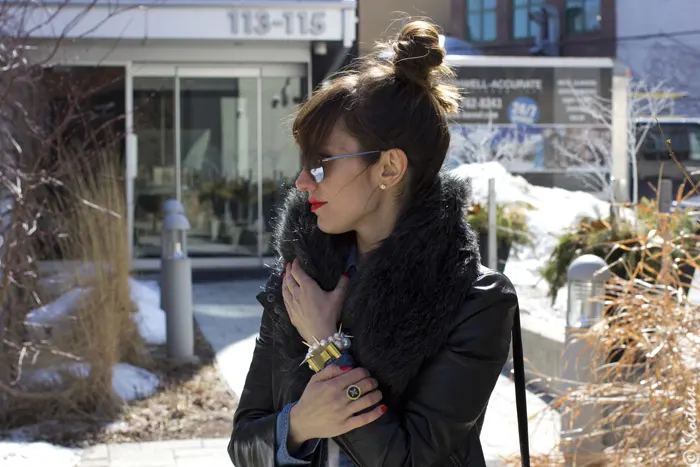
x=523, y=110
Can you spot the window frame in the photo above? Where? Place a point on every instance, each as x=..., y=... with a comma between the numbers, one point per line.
x=586, y=28
x=481, y=11
x=529, y=6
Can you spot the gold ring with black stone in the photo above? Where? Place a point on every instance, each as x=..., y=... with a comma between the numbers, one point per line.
x=353, y=392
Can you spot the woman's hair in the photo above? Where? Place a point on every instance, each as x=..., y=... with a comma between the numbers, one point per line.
x=393, y=99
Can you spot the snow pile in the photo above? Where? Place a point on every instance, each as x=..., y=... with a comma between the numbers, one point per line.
x=28, y=454
x=131, y=383
x=149, y=318
x=128, y=382
x=58, y=309
x=555, y=211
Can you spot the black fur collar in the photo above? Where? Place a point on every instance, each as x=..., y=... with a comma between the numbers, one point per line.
x=401, y=303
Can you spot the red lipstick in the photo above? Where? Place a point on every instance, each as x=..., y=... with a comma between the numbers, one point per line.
x=315, y=204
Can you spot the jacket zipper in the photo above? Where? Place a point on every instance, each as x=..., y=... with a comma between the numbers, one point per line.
x=347, y=451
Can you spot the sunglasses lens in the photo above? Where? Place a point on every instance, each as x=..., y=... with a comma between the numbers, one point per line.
x=317, y=173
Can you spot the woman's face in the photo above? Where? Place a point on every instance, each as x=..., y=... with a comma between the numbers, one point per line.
x=343, y=200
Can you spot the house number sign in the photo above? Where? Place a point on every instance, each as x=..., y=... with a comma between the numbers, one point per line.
x=288, y=23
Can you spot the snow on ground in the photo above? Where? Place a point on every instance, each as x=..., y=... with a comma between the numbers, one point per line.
x=150, y=318
x=59, y=308
x=555, y=211
x=29, y=454
x=131, y=383
x=128, y=382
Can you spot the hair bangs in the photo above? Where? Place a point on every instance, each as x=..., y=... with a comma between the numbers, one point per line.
x=317, y=117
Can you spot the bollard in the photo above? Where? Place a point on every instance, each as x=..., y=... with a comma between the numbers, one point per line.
x=176, y=283
x=665, y=195
x=493, y=226
x=586, y=279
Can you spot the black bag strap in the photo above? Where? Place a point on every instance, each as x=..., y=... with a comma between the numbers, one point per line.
x=520, y=401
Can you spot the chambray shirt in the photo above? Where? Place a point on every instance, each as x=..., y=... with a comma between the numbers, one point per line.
x=336, y=458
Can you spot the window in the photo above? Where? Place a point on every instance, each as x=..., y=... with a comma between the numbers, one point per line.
x=685, y=141
x=481, y=20
x=522, y=26
x=582, y=16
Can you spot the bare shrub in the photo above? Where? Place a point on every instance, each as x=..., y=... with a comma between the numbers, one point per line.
x=646, y=354
x=60, y=197
x=100, y=331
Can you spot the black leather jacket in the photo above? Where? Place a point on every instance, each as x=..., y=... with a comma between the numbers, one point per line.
x=435, y=334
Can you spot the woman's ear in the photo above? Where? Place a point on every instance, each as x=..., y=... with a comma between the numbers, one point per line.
x=392, y=167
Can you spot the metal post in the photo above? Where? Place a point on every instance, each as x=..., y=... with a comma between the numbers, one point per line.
x=586, y=278
x=665, y=195
x=176, y=284
x=493, y=226
x=624, y=161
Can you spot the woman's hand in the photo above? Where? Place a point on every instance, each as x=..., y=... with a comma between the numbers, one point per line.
x=325, y=410
x=314, y=312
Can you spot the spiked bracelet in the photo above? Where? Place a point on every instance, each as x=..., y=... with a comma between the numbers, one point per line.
x=321, y=352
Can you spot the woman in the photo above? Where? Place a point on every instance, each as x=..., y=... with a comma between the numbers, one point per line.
x=380, y=275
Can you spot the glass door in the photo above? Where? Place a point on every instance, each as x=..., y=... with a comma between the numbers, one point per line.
x=197, y=140
x=218, y=140
x=155, y=180
x=219, y=171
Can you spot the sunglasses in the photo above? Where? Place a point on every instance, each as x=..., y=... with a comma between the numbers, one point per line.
x=317, y=172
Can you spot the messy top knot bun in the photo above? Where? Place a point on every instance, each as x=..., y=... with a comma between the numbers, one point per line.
x=399, y=98
x=418, y=58
x=417, y=51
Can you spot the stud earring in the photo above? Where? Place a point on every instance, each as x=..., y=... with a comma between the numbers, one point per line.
x=382, y=186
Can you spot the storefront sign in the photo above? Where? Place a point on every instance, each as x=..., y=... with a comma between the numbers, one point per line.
x=534, y=119
x=260, y=23
x=329, y=21
x=532, y=96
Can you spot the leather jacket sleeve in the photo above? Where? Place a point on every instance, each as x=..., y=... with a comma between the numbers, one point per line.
x=451, y=392
x=254, y=424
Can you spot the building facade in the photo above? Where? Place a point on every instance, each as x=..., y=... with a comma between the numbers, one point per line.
x=206, y=88
x=586, y=28
x=660, y=43
x=380, y=20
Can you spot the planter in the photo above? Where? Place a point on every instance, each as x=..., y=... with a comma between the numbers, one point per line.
x=503, y=251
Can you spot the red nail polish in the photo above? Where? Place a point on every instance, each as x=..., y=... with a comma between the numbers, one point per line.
x=384, y=408
x=346, y=368
x=346, y=275
x=284, y=274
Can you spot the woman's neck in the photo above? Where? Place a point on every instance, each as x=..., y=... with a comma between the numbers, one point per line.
x=371, y=233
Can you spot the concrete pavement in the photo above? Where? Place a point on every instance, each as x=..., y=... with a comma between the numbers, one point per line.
x=180, y=453
x=229, y=317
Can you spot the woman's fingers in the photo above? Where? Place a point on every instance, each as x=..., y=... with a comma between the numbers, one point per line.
x=290, y=284
x=362, y=419
x=341, y=383
x=368, y=400
x=367, y=385
x=298, y=273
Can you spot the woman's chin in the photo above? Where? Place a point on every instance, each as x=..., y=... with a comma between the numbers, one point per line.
x=329, y=228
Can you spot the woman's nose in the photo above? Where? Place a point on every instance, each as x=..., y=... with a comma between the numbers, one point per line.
x=305, y=182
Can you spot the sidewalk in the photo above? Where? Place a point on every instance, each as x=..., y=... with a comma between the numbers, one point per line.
x=229, y=316
x=183, y=453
